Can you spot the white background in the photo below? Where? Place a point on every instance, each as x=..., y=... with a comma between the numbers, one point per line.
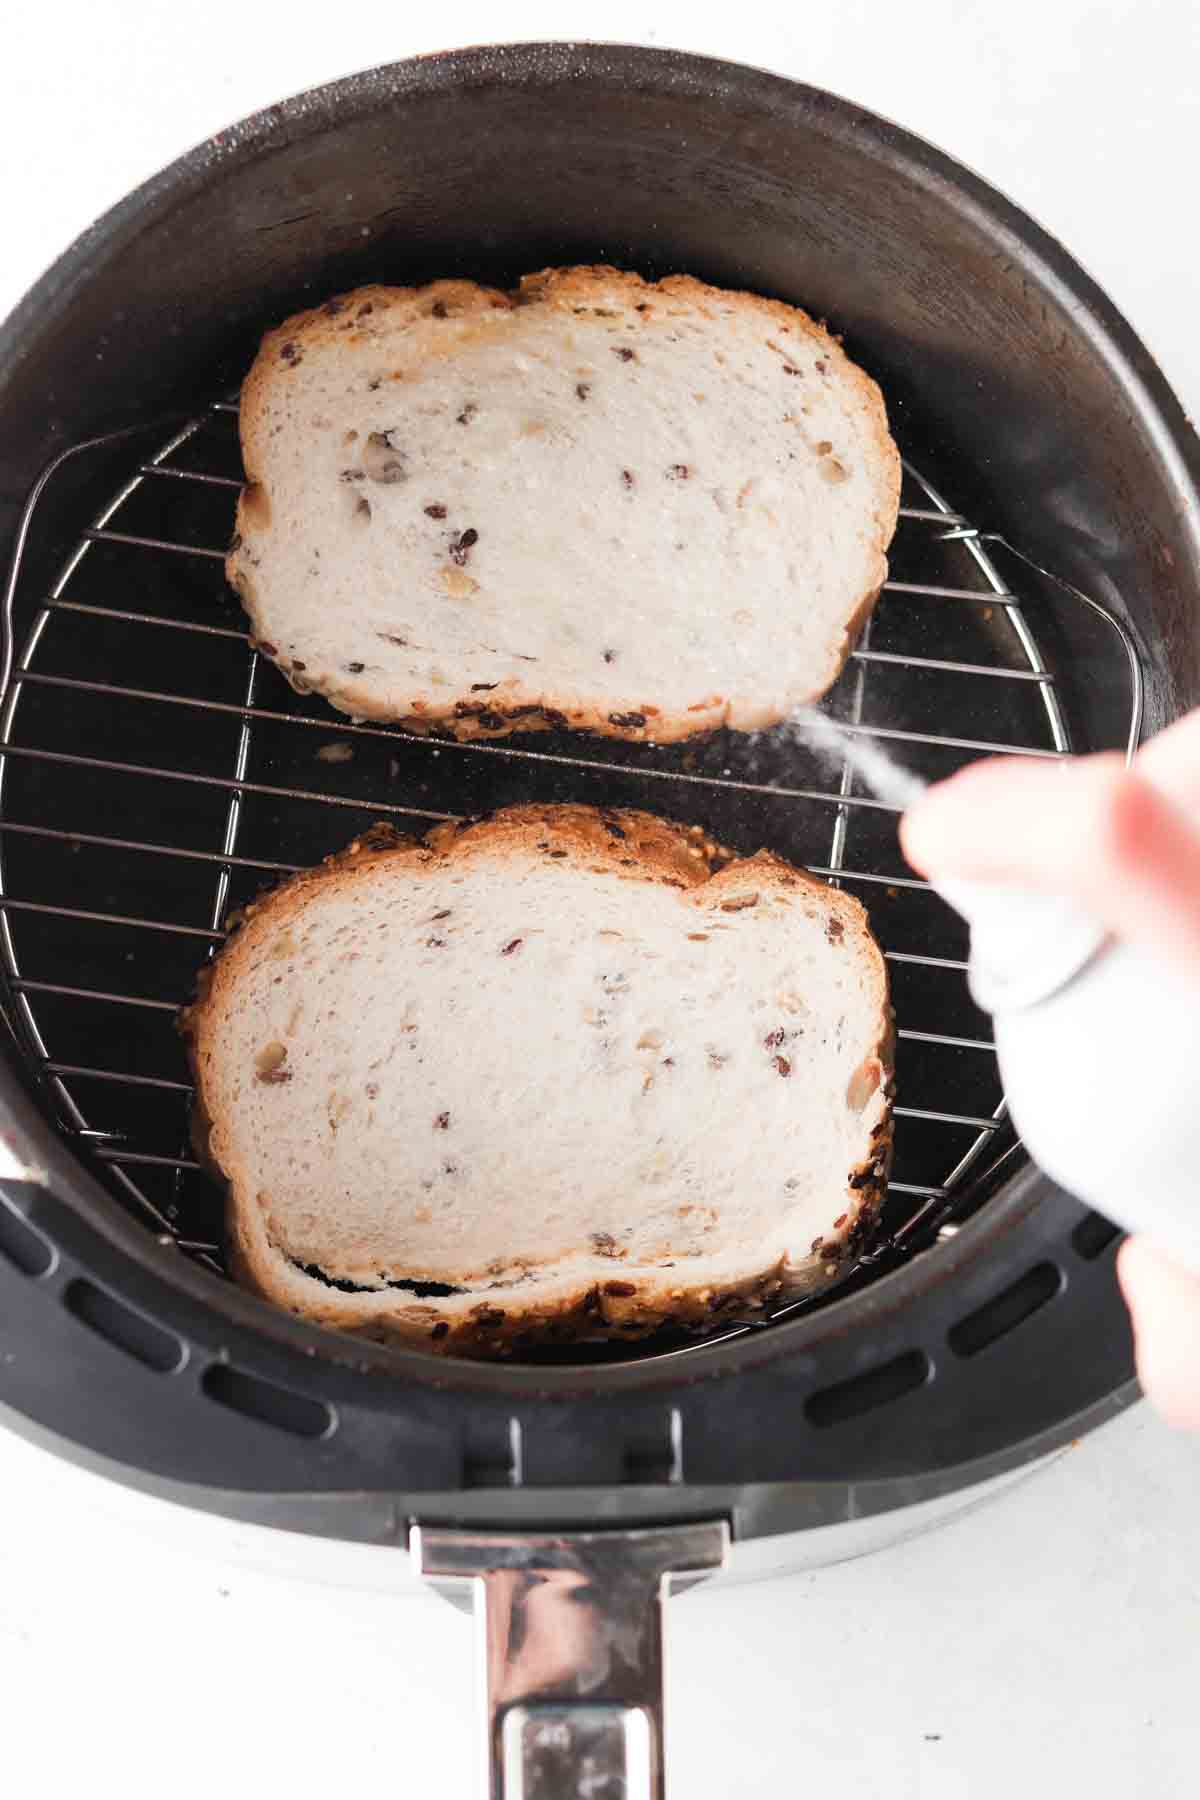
x=1051, y=1640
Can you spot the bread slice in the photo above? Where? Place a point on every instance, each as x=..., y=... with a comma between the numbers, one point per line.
x=633, y=508
x=543, y=1076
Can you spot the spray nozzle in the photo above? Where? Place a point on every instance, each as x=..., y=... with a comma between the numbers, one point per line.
x=1024, y=947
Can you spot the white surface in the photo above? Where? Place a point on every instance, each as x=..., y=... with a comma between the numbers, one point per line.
x=1049, y=1641
x=1046, y=1643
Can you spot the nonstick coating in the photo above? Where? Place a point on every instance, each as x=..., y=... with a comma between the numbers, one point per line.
x=1020, y=390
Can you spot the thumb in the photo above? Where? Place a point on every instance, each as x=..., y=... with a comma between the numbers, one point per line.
x=1165, y=1302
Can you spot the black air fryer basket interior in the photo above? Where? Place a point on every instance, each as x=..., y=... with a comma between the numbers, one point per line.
x=157, y=774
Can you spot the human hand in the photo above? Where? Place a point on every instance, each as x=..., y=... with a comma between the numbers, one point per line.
x=1125, y=844
x=1165, y=1302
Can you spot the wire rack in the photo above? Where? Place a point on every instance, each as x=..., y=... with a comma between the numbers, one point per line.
x=155, y=772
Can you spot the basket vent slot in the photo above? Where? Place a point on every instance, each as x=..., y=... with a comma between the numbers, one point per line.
x=864, y=1393
x=1093, y=1235
x=1006, y=1310
x=649, y=1463
x=111, y=1319
x=497, y=1460
x=266, y=1403
x=25, y=1248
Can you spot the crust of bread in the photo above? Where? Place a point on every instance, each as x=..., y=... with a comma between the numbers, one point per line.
x=543, y=1308
x=458, y=711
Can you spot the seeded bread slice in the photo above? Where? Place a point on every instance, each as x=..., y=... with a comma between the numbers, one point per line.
x=544, y=1076
x=639, y=509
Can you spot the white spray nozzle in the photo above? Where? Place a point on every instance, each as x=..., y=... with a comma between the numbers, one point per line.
x=1024, y=947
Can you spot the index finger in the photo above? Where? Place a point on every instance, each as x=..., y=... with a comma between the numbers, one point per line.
x=1091, y=831
x=1171, y=760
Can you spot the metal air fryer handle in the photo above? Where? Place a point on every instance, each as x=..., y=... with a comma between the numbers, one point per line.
x=570, y=1626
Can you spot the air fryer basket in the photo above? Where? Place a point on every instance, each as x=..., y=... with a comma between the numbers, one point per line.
x=155, y=773
x=140, y=712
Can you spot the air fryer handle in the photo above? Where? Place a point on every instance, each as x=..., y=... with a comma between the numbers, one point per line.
x=571, y=1631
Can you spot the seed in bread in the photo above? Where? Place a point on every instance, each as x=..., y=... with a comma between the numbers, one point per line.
x=544, y=1076
x=633, y=508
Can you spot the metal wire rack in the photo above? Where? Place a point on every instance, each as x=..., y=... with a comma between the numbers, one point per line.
x=155, y=772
